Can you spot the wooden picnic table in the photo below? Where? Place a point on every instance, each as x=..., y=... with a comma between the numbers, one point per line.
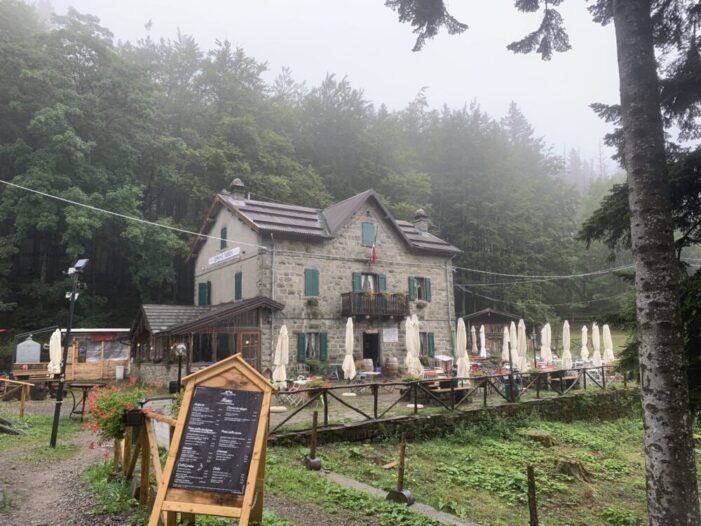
x=85, y=387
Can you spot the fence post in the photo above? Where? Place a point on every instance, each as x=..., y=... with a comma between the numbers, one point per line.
x=400, y=494
x=537, y=385
x=375, y=390
x=126, y=456
x=311, y=461
x=144, y=483
x=22, y=400
x=325, y=398
x=603, y=376
x=485, y=385
x=532, y=505
x=415, y=385
x=452, y=394
x=584, y=376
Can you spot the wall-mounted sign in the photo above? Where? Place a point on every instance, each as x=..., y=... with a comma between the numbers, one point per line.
x=223, y=256
x=390, y=335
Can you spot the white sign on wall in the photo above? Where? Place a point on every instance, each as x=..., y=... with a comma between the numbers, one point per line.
x=390, y=335
x=223, y=256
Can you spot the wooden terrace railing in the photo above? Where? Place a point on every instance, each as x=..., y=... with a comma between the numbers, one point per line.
x=373, y=305
x=9, y=387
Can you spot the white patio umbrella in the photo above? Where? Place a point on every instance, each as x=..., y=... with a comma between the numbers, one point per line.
x=413, y=347
x=461, y=345
x=473, y=336
x=348, y=360
x=483, y=348
x=550, y=344
x=544, y=343
x=505, y=345
x=513, y=341
x=54, y=366
x=566, y=354
x=522, y=347
x=281, y=358
x=596, y=343
x=585, y=350
x=608, y=345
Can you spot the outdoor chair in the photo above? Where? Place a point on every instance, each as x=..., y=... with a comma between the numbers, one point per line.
x=302, y=369
x=292, y=396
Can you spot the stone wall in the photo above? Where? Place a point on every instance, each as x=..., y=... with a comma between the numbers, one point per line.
x=604, y=405
x=156, y=374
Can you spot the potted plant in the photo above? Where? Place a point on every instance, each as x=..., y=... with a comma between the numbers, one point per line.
x=313, y=302
x=420, y=305
x=313, y=365
x=111, y=409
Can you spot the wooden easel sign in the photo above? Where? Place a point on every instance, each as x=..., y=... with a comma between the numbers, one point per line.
x=216, y=461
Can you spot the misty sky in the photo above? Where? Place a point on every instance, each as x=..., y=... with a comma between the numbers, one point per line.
x=364, y=40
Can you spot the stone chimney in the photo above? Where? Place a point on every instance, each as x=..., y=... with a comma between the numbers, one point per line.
x=421, y=220
x=237, y=190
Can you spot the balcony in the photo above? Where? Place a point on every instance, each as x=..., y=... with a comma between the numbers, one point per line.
x=374, y=305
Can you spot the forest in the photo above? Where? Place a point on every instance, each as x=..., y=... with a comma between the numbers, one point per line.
x=153, y=129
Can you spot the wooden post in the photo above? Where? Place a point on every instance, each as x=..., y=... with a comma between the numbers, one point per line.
x=22, y=400
x=145, y=453
x=401, y=495
x=311, y=461
x=416, y=397
x=537, y=385
x=484, y=393
x=584, y=376
x=375, y=391
x=625, y=379
x=325, y=398
x=532, y=505
x=126, y=458
x=117, y=455
x=452, y=394
x=603, y=376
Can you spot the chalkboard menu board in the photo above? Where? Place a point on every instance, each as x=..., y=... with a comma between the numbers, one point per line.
x=217, y=442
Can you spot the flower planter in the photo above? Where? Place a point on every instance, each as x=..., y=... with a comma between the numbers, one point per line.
x=134, y=417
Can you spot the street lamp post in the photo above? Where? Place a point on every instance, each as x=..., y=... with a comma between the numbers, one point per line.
x=76, y=270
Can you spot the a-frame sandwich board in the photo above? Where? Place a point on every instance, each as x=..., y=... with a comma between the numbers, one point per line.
x=216, y=460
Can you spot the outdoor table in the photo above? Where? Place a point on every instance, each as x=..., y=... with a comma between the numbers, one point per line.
x=367, y=375
x=85, y=387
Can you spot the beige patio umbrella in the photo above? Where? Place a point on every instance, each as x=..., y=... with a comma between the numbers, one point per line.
x=544, y=343
x=413, y=347
x=608, y=345
x=281, y=358
x=505, y=345
x=513, y=341
x=522, y=347
x=348, y=366
x=54, y=366
x=473, y=335
x=596, y=343
x=483, y=348
x=463, y=358
x=566, y=354
x=549, y=361
x=584, y=353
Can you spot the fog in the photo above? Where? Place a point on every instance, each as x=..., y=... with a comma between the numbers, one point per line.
x=364, y=40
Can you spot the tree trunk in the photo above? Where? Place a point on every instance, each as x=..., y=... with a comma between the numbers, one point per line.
x=672, y=496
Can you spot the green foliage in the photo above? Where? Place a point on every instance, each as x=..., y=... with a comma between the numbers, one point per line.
x=106, y=406
x=620, y=517
x=111, y=496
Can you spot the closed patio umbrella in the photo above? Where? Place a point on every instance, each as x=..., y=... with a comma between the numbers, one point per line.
x=522, y=347
x=461, y=343
x=473, y=335
x=584, y=353
x=566, y=354
x=281, y=358
x=544, y=343
x=483, y=348
x=513, y=341
x=54, y=366
x=549, y=361
x=413, y=347
x=505, y=345
x=608, y=345
x=348, y=360
x=596, y=343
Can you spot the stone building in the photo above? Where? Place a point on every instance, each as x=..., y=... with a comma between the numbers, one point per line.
x=311, y=269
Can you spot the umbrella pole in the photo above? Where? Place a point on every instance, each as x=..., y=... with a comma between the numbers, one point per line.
x=511, y=377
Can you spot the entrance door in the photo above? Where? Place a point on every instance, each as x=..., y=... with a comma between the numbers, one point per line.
x=371, y=347
x=249, y=346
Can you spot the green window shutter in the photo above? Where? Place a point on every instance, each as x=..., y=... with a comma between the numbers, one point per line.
x=323, y=346
x=202, y=294
x=301, y=347
x=431, y=345
x=382, y=282
x=209, y=293
x=238, y=285
x=311, y=282
x=412, y=288
x=222, y=235
x=368, y=234
x=427, y=289
x=357, y=282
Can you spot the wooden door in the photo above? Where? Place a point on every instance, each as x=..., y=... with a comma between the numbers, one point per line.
x=249, y=347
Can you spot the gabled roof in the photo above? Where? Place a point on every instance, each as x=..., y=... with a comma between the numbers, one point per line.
x=158, y=318
x=291, y=221
x=487, y=313
x=222, y=311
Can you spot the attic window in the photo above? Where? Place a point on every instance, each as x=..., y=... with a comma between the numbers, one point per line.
x=368, y=234
x=222, y=238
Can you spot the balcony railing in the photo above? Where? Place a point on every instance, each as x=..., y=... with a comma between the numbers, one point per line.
x=374, y=305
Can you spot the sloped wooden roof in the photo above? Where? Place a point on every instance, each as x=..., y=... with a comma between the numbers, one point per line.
x=489, y=313
x=223, y=311
x=158, y=318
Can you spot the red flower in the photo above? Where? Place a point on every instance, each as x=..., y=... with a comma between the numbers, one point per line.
x=91, y=445
x=130, y=407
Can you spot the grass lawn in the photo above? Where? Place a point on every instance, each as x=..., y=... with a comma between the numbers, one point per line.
x=35, y=438
x=479, y=473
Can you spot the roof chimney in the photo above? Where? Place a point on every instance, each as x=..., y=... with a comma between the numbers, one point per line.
x=421, y=220
x=237, y=190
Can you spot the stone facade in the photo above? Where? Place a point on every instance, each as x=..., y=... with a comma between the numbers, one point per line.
x=276, y=268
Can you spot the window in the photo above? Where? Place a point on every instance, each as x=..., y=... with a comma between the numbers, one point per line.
x=238, y=285
x=222, y=238
x=368, y=234
x=204, y=293
x=366, y=282
x=419, y=288
x=312, y=345
x=428, y=344
x=311, y=282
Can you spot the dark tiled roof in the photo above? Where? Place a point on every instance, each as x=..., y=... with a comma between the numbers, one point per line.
x=313, y=223
x=159, y=318
x=223, y=311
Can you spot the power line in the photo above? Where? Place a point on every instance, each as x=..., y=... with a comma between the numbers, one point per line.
x=547, y=277
x=535, y=302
